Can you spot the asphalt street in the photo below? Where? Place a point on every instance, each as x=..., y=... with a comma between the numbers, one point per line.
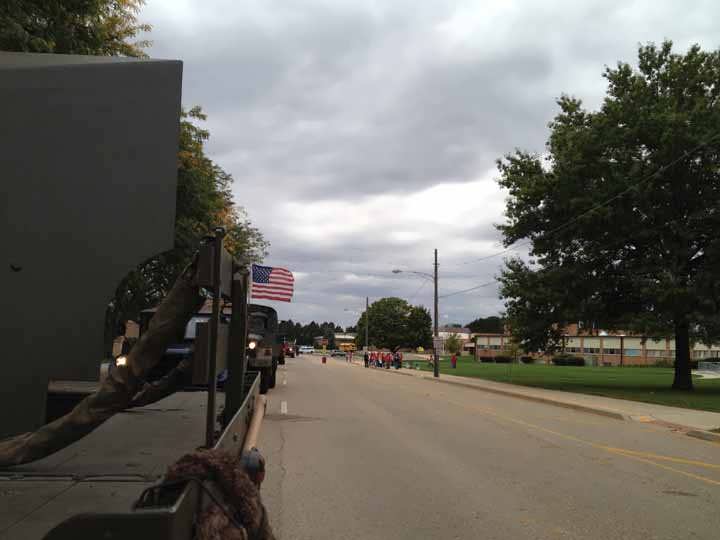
x=357, y=453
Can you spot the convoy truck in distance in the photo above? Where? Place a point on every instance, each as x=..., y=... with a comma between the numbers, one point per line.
x=265, y=351
x=288, y=350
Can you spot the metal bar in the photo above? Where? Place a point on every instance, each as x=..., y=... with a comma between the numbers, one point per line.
x=367, y=323
x=237, y=361
x=436, y=367
x=236, y=432
x=253, y=431
x=244, y=305
x=214, y=322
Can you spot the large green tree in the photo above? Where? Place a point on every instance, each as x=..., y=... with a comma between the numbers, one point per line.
x=489, y=325
x=395, y=323
x=623, y=212
x=98, y=27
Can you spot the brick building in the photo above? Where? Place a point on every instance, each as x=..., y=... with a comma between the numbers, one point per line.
x=599, y=350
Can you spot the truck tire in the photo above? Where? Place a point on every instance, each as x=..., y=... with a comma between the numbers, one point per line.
x=264, y=380
x=272, y=377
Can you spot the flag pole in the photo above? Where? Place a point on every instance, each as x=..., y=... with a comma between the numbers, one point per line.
x=250, y=282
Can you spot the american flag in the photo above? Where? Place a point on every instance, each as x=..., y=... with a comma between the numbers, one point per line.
x=272, y=283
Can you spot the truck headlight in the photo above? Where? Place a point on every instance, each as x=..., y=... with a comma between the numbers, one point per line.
x=121, y=361
x=252, y=345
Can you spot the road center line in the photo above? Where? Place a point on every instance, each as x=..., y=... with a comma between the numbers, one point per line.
x=283, y=407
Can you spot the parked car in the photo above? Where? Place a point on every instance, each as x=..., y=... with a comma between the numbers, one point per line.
x=306, y=349
x=337, y=353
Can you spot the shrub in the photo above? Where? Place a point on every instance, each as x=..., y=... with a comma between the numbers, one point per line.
x=664, y=363
x=568, y=360
x=503, y=360
x=527, y=360
x=667, y=362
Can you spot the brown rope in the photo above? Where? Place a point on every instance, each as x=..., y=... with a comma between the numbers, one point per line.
x=242, y=504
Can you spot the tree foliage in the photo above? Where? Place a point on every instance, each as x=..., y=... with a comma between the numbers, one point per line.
x=304, y=334
x=97, y=27
x=453, y=343
x=487, y=325
x=395, y=323
x=647, y=260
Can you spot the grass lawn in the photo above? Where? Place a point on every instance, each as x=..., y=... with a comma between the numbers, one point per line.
x=651, y=385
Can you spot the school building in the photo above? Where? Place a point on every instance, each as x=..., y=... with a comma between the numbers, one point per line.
x=607, y=350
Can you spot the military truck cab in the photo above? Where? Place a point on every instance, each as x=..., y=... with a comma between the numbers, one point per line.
x=264, y=349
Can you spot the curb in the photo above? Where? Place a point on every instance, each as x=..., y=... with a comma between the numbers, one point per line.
x=704, y=435
x=537, y=399
x=608, y=413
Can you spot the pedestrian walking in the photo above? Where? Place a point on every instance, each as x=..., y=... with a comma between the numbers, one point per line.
x=366, y=359
x=453, y=361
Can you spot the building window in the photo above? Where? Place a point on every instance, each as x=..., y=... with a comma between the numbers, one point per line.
x=632, y=352
x=705, y=354
x=611, y=351
x=591, y=350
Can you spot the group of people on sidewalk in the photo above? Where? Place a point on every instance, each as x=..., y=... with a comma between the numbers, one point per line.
x=383, y=359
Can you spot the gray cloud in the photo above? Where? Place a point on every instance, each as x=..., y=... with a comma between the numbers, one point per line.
x=362, y=135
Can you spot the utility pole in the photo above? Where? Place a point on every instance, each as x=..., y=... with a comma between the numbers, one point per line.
x=367, y=323
x=436, y=367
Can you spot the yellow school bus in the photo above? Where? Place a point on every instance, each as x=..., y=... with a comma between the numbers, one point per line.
x=347, y=347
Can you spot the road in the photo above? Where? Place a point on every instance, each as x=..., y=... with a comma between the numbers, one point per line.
x=359, y=453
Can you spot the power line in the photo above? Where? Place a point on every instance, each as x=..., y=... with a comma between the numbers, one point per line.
x=467, y=290
x=417, y=291
x=659, y=171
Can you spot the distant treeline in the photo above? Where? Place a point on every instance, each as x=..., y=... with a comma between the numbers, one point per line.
x=303, y=334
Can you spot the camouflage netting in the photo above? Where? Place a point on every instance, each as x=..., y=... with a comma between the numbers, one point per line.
x=243, y=516
x=122, y=388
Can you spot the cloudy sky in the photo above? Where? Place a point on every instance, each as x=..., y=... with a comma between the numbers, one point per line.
x=363, y=134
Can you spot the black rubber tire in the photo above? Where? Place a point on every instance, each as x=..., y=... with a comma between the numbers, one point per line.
x=272, y=378
x=264, y=380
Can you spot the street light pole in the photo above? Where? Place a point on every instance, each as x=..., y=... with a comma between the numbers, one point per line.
x=367, y=323
x=434, y=278
x=436, y=366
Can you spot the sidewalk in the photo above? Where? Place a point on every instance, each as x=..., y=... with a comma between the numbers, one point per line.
x=695, y=423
